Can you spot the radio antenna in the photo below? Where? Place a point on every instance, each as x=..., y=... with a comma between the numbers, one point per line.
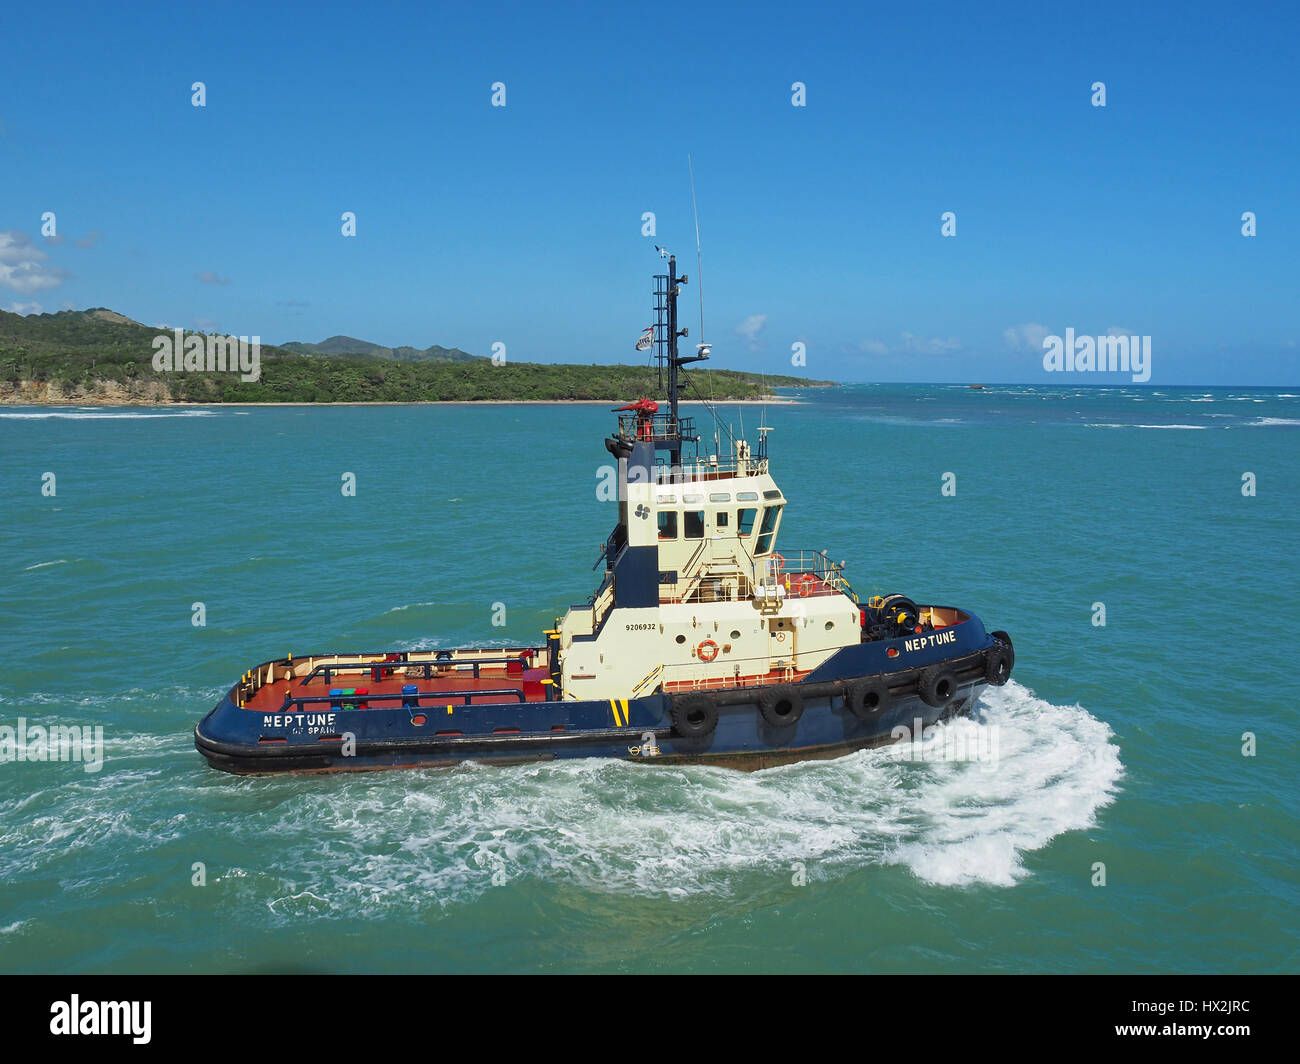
x=699, y=265
x=701, y=347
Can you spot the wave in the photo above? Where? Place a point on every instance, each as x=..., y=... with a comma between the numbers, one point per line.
x=82, y=415
x=620, y=828
x=1117, y=425
x=429, y=840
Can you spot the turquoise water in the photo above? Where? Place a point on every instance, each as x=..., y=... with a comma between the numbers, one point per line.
x=1119, y=744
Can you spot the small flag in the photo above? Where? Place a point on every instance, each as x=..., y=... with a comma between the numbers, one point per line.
x=647, y=338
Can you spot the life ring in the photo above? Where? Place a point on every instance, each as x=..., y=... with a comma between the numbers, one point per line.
x=937, y=686
x=707, y=650
x=867, y=699
x=806, y=583
x=778, y=561
x=781, y=706
x=695, y=716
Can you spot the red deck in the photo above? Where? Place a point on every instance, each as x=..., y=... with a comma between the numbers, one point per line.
x=270, y=697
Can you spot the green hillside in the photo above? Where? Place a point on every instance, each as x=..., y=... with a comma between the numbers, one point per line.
x=99, y=355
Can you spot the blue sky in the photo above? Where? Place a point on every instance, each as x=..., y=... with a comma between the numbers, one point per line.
x=522, y=224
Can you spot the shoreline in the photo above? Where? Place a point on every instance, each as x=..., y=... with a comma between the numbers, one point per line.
x=776, y=400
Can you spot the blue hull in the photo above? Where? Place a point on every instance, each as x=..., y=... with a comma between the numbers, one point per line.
x=236, y=739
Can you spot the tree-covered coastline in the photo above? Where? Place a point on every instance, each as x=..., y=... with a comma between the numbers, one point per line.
x=98, y=355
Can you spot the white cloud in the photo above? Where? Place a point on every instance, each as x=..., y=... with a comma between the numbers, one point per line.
x=208, y=277
x=909, y=344
x=25, y=308
x=935, y=345
x=749, y=329
x=22, y=267
x=1028, y=337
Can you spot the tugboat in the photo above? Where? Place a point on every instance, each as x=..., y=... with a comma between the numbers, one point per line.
x=703, y=644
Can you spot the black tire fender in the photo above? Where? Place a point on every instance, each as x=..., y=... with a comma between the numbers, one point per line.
x=1005, y=640
x=694, y=716
x=998, y=660
x=781, y=706
x=937, y=686
x=867, y=699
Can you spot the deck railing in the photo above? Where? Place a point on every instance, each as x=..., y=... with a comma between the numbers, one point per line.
x=655, y=427
x=411, y=699
x=439, y=664
x=816, y=562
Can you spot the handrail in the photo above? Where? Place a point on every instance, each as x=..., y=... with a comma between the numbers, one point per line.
x=596, y=612
x=704, y=541
x=442, y=696
x=440, y=663
x=816, y=562
x=656, y=671
x=635, y=426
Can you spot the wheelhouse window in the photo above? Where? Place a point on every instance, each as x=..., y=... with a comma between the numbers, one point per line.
x=770, y=516
x=745, y=521
x=667, y=524
x=720, y=518
x=693, y=521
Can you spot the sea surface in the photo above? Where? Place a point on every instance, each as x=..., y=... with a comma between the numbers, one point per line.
x=1126, y=823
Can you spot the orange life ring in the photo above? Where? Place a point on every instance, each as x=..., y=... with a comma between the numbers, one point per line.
x=712, y=650
x=778, y=561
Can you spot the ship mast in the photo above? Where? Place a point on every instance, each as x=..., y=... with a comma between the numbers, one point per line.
x=667, y=289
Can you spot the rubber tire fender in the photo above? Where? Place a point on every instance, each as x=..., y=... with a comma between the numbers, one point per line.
x=867, y=699
x=694, y=716
x=773, y=699
x=1005, y=640
x=934, y=681
x=998, y=660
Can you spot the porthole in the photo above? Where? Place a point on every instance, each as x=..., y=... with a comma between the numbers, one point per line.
x=681, y=639
x=735, y=634
x=830, y=625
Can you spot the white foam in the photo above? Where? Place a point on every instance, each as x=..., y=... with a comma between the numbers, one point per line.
x=79, y=415
x=614, y=827
x=46, y=565
x=425, y=840
x=1115, y=425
